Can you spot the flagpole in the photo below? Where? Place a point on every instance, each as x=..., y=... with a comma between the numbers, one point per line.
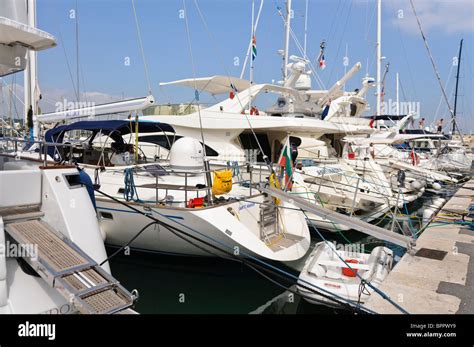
x=249, y=49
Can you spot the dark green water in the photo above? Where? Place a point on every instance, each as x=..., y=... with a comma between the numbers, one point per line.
x=183, y=285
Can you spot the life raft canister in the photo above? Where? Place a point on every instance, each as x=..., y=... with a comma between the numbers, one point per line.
x=350, y=272
x=222, y=182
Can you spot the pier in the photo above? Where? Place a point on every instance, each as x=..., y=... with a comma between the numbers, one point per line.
x=439, y=277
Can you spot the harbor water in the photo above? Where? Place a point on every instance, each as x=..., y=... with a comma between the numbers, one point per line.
x=192, y=285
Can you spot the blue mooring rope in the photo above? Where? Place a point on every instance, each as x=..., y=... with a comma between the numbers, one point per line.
x=130, y=190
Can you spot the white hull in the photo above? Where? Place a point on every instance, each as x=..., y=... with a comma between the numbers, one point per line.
x=324, y=269
x=216, y=225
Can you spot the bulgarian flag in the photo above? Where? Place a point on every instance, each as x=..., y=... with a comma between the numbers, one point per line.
x=286, y=163
x=254, y=48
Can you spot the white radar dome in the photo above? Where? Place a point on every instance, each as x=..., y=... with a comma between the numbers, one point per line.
x=186, y=154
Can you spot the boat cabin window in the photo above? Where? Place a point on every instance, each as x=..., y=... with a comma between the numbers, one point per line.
x=353, y=109
x=250, y=144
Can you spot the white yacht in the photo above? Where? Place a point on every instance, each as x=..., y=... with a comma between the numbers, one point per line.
x=181, y=194
x=50, y=241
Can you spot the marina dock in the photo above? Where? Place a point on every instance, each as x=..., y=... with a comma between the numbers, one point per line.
x=439, y=277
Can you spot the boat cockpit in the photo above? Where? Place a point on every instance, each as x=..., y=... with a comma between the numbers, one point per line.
x=102, y=143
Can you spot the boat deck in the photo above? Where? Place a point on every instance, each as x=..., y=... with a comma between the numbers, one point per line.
x=439, y=278
x=65, y=267
x=281, y=242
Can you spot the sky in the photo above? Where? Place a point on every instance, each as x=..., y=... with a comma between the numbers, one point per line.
x=111, y=65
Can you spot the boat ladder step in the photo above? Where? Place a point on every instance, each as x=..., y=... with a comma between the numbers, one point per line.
x=69, y=270
x=21, y=213
x=268, y=220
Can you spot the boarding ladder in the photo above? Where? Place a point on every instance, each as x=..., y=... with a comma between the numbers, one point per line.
x=64, y=266
x=354, y=223
x=268, y=219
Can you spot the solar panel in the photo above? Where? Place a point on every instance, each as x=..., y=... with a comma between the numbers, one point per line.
x=156, y=170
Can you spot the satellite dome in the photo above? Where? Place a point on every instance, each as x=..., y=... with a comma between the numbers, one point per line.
x=186, y=154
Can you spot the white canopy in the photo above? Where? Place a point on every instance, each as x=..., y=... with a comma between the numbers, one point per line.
x=16, y=33
x=213, y=85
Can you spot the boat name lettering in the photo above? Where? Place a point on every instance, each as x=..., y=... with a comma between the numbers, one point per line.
x=246, y=206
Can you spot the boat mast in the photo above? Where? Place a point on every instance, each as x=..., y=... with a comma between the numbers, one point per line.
x=305, y=30
x=345, y=63
x=398, y=96
x=457, y=85
x=252, y=36
x=287, y=39
x=77, y=56
x=30, y=76
x=379, y=57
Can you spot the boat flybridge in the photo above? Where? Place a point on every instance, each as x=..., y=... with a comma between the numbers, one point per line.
x=178, y=193
x=50, y=241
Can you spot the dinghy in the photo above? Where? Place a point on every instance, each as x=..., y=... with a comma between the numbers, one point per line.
x=327, y=268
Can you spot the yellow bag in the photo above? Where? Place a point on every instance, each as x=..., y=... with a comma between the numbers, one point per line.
x=222, y=182
x=275, y=183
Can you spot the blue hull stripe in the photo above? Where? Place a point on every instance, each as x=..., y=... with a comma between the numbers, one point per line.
x=125, y=211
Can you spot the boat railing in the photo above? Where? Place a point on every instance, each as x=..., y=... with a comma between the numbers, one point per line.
x=256, y=172
x=20, y=146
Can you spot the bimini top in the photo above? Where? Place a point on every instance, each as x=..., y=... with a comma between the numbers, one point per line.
x=115, y=129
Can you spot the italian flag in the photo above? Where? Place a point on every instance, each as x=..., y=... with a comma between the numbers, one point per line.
x=286, y=163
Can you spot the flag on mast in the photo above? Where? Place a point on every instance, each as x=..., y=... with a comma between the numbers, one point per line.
x=254, y=47
x=286, y=163
x=321, y=59
x=322, y=62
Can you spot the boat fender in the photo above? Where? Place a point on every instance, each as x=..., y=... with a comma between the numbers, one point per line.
x=401, y=178
x=416, y=185
x=384, y=262
x=427, y=215
x=436, y=186
x=85, y=179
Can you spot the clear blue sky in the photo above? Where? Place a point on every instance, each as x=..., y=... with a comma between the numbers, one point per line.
x=107, y=35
